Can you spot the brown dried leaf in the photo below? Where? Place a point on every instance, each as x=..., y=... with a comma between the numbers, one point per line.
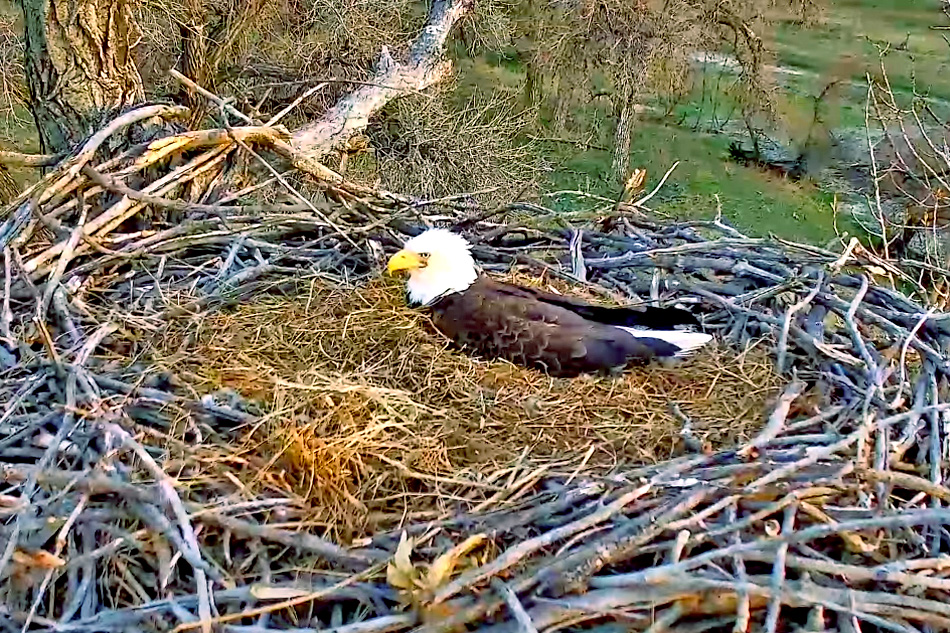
x=400, y=573
x=442, y=567
x=38, y=558
x=9, y=501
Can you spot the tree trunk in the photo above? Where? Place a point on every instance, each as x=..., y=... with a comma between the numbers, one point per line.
x=8, y=186
x=78, y=65
x=623, y=107
x=194, y=57
x=534, y=88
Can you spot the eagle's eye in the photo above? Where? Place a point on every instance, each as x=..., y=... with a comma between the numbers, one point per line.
x=425, y=258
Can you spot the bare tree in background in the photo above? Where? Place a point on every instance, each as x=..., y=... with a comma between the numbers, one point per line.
x=641, y=46
x=209, y=30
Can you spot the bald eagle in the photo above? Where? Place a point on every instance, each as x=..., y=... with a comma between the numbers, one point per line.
x=528, y=327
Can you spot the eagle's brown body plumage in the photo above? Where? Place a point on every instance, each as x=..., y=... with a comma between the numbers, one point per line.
x=557, y=334
x=562, y=336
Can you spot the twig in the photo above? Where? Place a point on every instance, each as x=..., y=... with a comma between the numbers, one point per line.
x=855, y=573
x=778, y=573
x=129, y=118
x=309, y=597
x=296, y=193
x=853, y=329
x=776, y=420
x=298, y=541
x=280, y=115
x=515, y=554
x=111, y=184
x=642, y=201
x=903, y=358
x=743, y=604
x=782, y=345
x=578, y=269
x=517, y=610
x=167, y=488
x=53, y=284
x=29, y=160
x=667, y=620
x=6, y=315
x=211, y=97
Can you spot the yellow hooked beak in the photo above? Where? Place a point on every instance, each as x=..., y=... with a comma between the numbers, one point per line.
x=405, y=260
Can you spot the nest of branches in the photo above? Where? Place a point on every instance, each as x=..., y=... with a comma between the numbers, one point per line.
x=364, y=402
x=231, y=423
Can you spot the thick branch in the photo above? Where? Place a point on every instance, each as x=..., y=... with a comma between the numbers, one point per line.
x=17, y=159
x=426, y=67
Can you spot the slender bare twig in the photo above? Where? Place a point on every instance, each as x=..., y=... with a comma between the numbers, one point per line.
x=782, y=346
x=211, y=97
x=6, y=314
x=517, y=610
x=642, y=201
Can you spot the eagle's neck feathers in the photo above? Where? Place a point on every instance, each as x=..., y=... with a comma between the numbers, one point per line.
x=428, y=285
x=431, y=302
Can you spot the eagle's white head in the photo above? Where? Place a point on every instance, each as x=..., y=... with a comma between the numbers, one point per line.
x=438, y=262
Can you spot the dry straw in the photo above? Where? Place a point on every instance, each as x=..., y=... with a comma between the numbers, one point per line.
x=362, y=396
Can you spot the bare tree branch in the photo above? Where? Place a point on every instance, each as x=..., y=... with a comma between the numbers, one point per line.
x=29, y=160
x=426, y=67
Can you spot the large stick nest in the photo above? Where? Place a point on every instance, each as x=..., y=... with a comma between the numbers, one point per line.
x=230, y=421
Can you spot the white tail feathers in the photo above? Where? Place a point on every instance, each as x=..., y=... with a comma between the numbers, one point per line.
x=687, y=342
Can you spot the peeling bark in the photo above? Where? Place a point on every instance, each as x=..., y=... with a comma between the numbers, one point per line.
x=623, y=106
x=8, y=186
x=426, y=66
x=78, y=66
x=194, y=55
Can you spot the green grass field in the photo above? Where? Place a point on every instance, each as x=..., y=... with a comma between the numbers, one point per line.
x=845, y=44
x=754, y=202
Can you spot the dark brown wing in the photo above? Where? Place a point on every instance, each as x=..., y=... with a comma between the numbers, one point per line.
x=497, y=323
x=643, y=317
